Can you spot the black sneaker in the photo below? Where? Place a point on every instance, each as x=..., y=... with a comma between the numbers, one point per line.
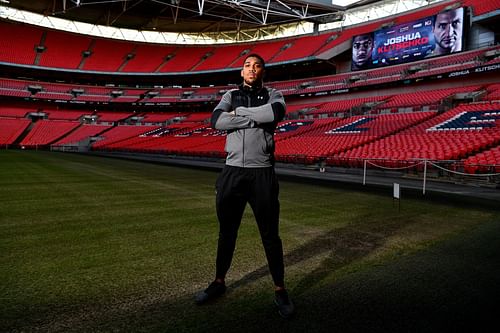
x=214, y=290
x=285, y=306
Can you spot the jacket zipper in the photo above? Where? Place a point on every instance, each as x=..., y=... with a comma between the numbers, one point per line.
x=249, y=102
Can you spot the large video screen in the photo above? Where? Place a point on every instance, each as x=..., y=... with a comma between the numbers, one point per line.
x=427, y=37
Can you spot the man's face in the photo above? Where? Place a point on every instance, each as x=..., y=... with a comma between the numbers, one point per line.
x=252, y=72
x=447, y=30
x=362, y=47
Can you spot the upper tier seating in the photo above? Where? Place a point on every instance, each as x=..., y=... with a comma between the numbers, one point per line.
x=301, y=48
x=480, y=7
x=185, y=58
x=148, y=58
x=19, y=43
x=107, y=55
x=57, y=54
x=222, y=57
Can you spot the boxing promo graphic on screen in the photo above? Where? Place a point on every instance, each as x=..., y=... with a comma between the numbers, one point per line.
x=431, y=36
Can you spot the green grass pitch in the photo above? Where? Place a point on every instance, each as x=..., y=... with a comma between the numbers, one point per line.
x=93, y=244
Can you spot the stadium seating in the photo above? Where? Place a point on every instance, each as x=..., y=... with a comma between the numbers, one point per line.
x=151, y=118
x=44, y=132
x=107, y=55
x=148, y=58
x=424, y=97
x=342, y=107
x=480, y=7
x=82, y=133
x=65, y=114
x=11, y=129
x=15, y=112
x=359, y=122
x=57, y=54
x=335, y=136
x=222, y=57
x=108, y=117
x=95, y=54
x=487, y=161
x=86, y=93
x=453, y=135
x=185, y=59
x=120, y=133
x=18, y=43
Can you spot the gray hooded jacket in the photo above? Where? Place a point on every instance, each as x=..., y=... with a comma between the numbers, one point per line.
x=250, y=130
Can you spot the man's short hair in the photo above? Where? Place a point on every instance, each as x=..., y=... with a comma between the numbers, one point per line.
x=255, y=55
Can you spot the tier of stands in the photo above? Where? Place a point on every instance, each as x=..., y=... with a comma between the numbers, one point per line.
x=468, y=132
x=327, y=137
x=45, y=132
x=425, y=97
x=453, y=135
x=342, y=107
x=111, y=117
x=82, y=133
x=57, y=54
x=15, y=112
x=121, y=133
x=18, y=43
x=80, y=93
x=66, y=114
x=484, y=162
x=107, y=55
x=11, y=129
x=152, y=118
x=182, y=139
x=481, y=7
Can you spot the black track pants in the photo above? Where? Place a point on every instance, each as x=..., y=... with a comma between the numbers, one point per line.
x=259, y=187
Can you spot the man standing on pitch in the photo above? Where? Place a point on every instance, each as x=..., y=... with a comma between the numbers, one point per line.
x=250, y=115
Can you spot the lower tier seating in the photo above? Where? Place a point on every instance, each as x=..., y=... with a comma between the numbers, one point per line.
x=11, y=129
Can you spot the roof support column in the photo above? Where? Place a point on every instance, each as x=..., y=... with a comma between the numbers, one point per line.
x=201, y=4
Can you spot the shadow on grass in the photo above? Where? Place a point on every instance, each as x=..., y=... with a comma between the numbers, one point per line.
x=342, y=246
x=450, y=286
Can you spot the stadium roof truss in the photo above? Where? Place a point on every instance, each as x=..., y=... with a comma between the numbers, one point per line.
x=250, y=20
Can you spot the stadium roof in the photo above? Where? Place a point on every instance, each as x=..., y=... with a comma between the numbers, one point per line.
x=187, y=15
x=213, y=20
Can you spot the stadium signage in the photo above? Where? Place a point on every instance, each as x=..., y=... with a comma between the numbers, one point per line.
x=481, y=69
x=402, y=42
x=487, y=68
x=339, y=91
x=431, y=36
